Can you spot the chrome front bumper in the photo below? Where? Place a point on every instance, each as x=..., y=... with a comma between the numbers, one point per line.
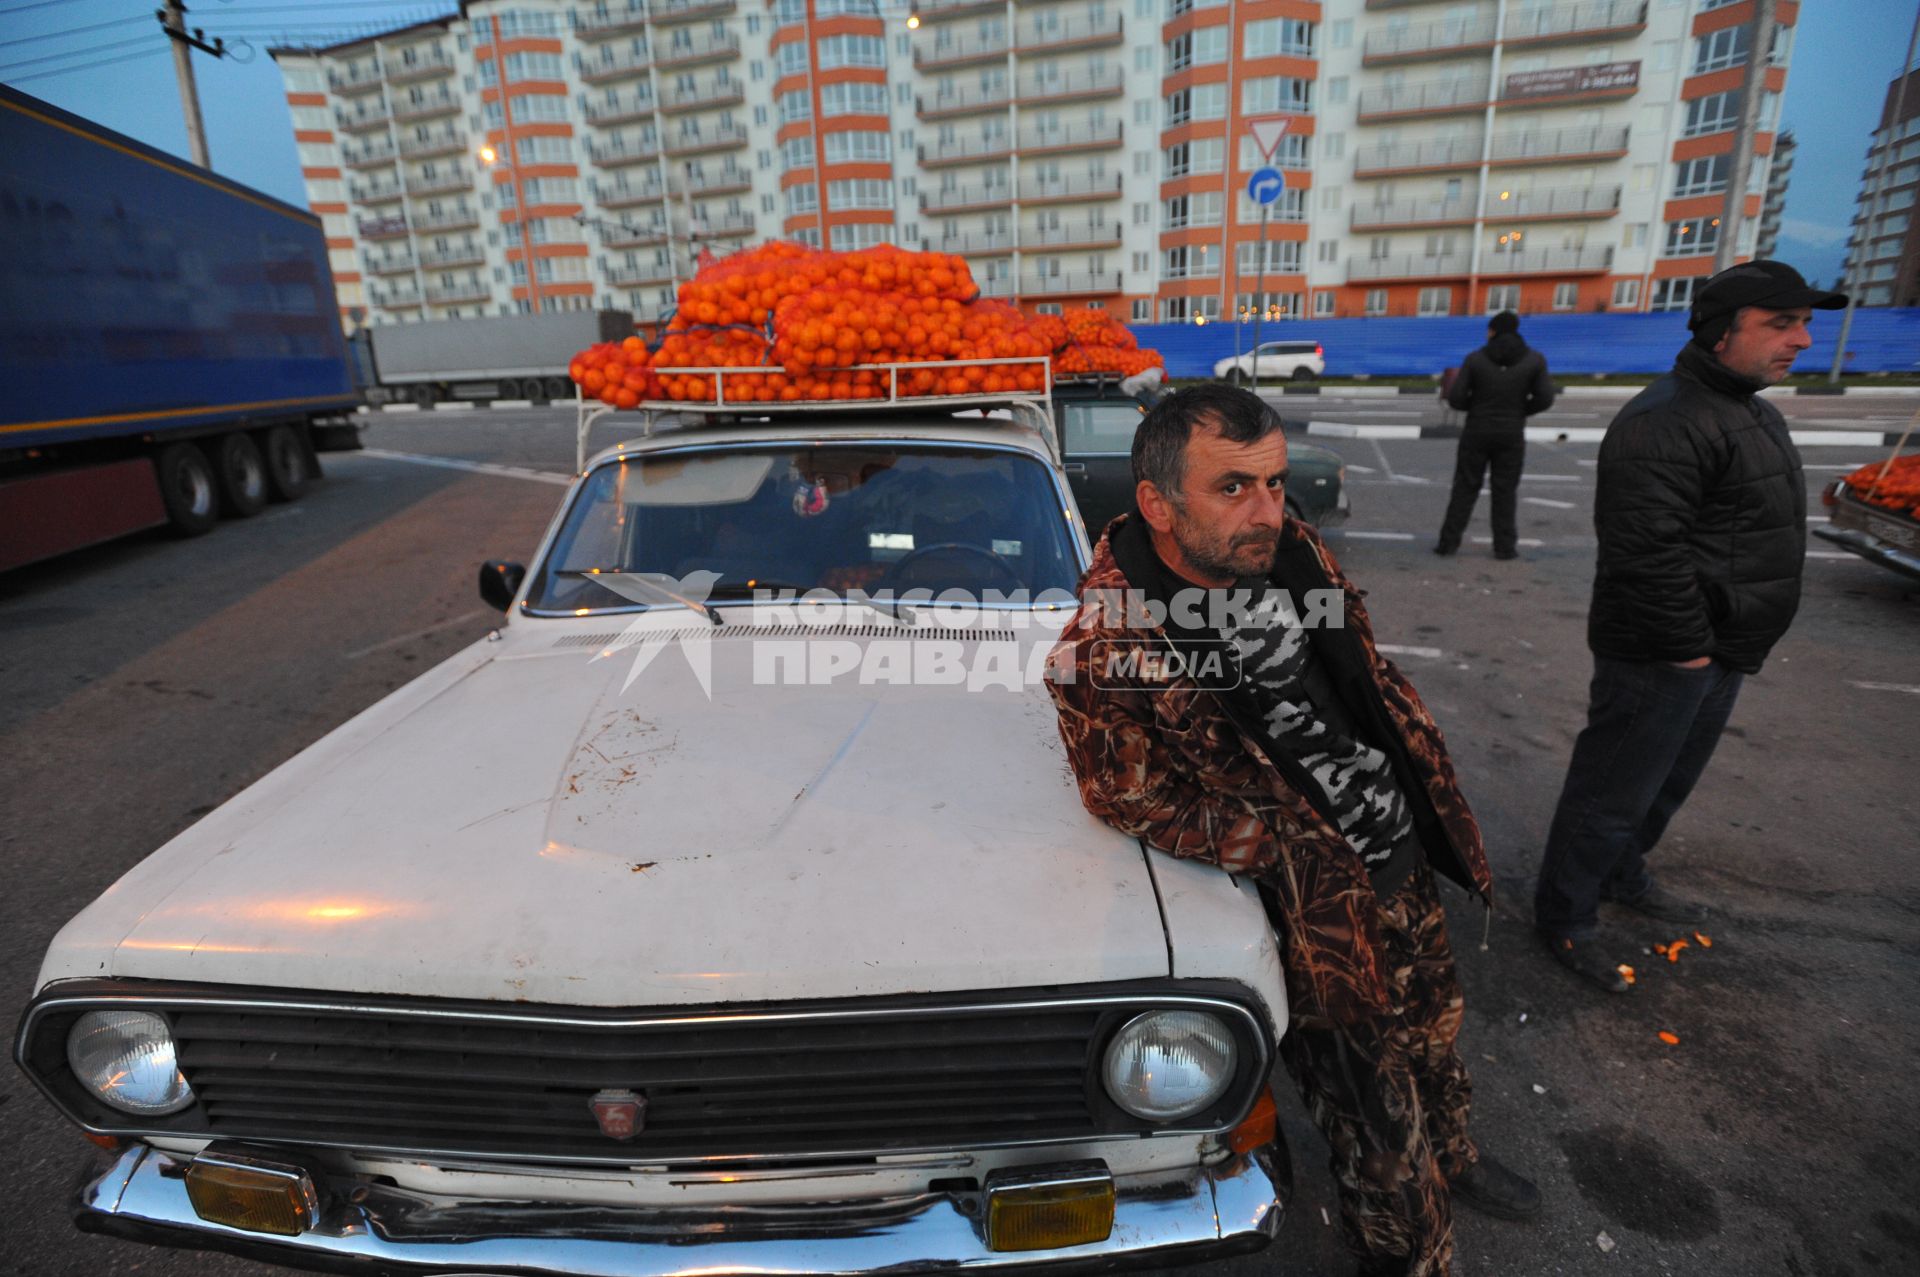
x=1873, y=549
x=1232, y=1208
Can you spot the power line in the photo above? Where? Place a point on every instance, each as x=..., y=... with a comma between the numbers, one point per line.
x=88, y=66
x=38, y=4
x=77, y=53
x=56, y=35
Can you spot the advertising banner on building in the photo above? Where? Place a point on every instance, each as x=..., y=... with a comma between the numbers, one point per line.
x=1562, y=81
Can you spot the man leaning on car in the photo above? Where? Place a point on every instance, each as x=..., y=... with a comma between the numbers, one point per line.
x=1316, y=771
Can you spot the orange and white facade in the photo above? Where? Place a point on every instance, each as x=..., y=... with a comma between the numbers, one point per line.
x=1438, y=156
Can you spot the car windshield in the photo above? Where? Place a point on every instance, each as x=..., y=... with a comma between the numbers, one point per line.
x=874, y=518
x=1099, y=426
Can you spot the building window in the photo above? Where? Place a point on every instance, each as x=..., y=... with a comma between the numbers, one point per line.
x=803, y=198
x=1436, y=301
x=1275, y=37
x=1626, y=294
x=797, y=105
x=1376, y=301
x=849, y=239
x=852, y=51
x=1715, y=113
x=1566, y=296
x=1703, y=176
x=1204, y=46
x=1266, y=94
x=858, y=148
x=864, y=193
x=1282, y=258
x=1722, y=49
x=858, y=97
x=1503, y=297
x=1295, y=152
x=1692, y=238
x=1323, y=301
x=1143, y=310
x=1675, y=294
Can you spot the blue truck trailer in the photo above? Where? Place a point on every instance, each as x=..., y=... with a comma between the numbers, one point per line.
x=170, y=344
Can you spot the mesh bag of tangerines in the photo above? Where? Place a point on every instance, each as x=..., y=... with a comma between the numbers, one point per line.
x=818, y=323
x=1892, y=485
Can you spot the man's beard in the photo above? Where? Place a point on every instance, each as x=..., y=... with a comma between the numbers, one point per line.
x=1249, y=554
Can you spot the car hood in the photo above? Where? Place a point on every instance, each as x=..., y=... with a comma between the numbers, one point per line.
x=521, y=824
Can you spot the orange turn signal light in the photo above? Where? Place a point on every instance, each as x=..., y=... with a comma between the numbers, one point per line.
x=259, y=1197
x=1259, y=1127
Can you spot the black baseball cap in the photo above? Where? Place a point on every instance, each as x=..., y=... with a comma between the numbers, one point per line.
x=1774, y=285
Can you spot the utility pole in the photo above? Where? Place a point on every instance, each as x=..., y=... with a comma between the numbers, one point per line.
x=1863, y=234
x=173, y=20
x=1759, y=60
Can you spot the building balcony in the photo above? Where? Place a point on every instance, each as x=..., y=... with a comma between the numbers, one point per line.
x=618, y=152
x=638, y=275
x=668, y=12
x=1070, y=285
x=371, y=193
x=976, y=243
x=421, y=68
x=1001, y=287
x=957, y=199
x=691, y=50
x=426, y=106
x=382, y=228
x=1445, y=38
x=718, y=138
x=1072, y=86
x=612, y=66
x=369, y=115
x=628, y=235
x=614, y=22
x=967, y=100
x=389, y=263
x=350, y=80
x=1565, y=204
x=727, y=226
x=1076, y=235
x=439, y=142
x=1057, y=35
x=628, y=194
x=1436, y=97
x=1042, y=190
x=1558, y=146
x=395, y=298
x=457, y=255
x=620, y=109
x=449, y=219
x=941, y=10
x=1397, y=4
x=1033, y=141
x=725, y=182
x=1570, y=23
x=453, y=179
x=959, y=51
x=1407, y=266
x=715, y=93
x=466, y=290
x=1529, y=261
x=375, y=150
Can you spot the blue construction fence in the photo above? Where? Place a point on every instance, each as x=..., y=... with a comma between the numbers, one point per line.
x=1881, y=340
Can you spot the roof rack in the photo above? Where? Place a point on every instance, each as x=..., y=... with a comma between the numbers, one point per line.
x=1035, y=404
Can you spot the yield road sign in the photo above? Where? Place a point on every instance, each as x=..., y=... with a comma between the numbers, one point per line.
x=1265, y=185
x=1267, y=134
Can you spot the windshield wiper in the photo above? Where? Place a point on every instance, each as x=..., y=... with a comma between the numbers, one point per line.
x=643, y=588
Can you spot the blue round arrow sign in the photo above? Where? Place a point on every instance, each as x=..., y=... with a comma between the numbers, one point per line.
x=1264, y=186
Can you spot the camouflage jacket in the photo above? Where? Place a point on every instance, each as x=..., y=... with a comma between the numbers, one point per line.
x=1159, y=757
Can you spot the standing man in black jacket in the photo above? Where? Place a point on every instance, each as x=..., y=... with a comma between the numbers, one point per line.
x=1498, y=387
x=1701, y=511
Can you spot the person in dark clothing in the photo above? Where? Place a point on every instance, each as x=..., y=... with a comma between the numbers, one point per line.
x=1317, y=773
x=1701, y=512
x=1498, y=387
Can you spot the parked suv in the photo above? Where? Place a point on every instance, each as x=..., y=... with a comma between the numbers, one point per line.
x=1279, y=360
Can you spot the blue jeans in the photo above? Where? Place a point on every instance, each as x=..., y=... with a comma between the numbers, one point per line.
x=1651, y=727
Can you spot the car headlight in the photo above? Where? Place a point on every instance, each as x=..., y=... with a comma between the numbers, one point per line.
x=126, y=1058
x=1166, y=1065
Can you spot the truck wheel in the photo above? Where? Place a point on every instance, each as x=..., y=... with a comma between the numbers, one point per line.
x=423, y=395
x=186, y=488
x=242, y=475
x=559, y=388
x=287, y=477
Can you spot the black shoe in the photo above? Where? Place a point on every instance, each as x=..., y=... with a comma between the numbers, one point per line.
x=1444, y=546
x=1582, y=958
x=1492, y=1189
x=1506, y=554
x=1657, y=902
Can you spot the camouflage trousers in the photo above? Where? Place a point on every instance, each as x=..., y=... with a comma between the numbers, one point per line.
x=1391, y=1095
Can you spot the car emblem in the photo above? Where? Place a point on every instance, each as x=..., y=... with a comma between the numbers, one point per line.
x=621, y=1113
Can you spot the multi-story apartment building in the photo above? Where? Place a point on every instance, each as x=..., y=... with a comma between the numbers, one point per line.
x=1883, y=256
x=1773, y=211
x=1437, y=158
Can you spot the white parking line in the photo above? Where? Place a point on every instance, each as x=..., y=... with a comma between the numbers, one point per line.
x=1554, y=505
x=1565, y=434
x=1394, y=649
x=1529, y=542
x=1909, y=688
x=475, y=467
x=1845, y=465
x=1551, y=478
x=1830, y=554
x=1839, y=438
x=1347, y=430
x=1372, y=536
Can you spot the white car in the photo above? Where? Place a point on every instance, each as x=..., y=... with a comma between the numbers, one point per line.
x=1279, y=361
x=564, y=961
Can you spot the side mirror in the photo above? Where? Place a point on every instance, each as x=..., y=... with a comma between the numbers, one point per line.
x=499, y=582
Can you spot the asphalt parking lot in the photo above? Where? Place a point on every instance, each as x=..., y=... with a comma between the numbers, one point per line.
x=151, y=680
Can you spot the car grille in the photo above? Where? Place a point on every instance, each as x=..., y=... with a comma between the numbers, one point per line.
x=755, y=1088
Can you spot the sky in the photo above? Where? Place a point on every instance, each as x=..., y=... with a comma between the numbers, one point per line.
x=117, y=71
